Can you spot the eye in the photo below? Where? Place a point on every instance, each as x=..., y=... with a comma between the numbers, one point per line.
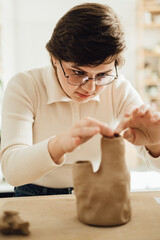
x=110, y=73
x=102, y=75
x=76, y=72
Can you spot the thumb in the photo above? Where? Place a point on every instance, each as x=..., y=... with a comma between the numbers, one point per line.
x=135, y=136
x=129, y=135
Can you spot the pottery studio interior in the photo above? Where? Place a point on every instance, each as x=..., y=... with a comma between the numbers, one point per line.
x=25, y=28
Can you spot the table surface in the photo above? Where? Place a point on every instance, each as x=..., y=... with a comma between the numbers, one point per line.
x=55, y=217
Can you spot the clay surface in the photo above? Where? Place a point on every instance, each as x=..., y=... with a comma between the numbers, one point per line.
x=11, y=224
x=103, y=197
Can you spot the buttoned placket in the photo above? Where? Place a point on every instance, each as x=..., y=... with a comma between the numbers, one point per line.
x=75, y=114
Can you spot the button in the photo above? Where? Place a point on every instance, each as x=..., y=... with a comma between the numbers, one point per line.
x=75, y=112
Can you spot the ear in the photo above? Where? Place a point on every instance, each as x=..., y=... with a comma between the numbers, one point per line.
x=54, y=60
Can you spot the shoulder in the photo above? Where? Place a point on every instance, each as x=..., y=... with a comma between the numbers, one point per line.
x=122, y=87
x=124, y=96
x=25, y=86
x=122, y=83
x=27, y=81
x=28, y=77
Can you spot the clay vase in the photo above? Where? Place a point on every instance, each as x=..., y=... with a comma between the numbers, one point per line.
x=103, y=197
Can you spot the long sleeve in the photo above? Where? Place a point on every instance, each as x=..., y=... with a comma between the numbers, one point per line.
x=18, y=152
x=126, y=96
x=35, y=109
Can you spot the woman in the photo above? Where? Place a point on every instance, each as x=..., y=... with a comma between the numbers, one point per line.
x=55, y=115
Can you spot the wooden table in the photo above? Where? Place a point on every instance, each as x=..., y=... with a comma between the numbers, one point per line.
x=54, y=217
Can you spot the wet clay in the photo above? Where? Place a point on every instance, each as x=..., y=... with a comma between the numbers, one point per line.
x=103, y=197
x=12, y=224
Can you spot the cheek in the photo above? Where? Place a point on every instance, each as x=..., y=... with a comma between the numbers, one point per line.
x=68, y=88
x=100, y=89
x=62, y=79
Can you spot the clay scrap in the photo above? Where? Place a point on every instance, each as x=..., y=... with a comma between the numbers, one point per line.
x=12, y=224
x=103, y=197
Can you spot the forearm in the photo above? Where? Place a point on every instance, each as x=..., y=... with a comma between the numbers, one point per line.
x=55, y=150
x=25, y=164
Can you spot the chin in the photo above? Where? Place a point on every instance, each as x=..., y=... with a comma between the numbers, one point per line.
x=79, y=100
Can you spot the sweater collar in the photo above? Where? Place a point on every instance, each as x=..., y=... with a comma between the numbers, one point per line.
x=54, y=91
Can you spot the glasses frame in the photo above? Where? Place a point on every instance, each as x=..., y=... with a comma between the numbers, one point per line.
x=115, y=77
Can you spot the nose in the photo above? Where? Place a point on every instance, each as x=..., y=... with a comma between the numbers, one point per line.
x=89, y=86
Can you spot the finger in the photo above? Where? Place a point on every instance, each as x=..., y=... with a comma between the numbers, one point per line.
x=135, y=136
x=85, y=132
x=94, y=122
x=88, y=121
x=129, y=135
x=72, y=144
x=130, y=110
x=80, y=136
x=135, y=111
x=106, y=131
x=145, y=109
x=75, y=142
x=148, y=113
x=122, y=125
x=155, y=117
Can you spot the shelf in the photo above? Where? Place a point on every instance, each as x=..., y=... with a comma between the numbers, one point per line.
x=151, y=53
x=152, y=98
x=150, y=83
x=152, y=25
x=152, y=9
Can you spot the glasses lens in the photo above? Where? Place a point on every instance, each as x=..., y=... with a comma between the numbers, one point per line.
x=105, y=80
x=77, y=80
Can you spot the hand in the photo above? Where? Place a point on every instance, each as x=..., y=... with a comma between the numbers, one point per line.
x=81, y=132
x=142, y=126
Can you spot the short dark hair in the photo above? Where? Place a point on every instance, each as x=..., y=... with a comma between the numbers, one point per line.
x=88, y=34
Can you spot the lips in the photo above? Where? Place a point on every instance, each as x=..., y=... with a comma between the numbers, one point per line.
x=84, y=95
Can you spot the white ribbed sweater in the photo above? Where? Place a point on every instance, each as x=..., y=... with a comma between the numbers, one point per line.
x=35, y=108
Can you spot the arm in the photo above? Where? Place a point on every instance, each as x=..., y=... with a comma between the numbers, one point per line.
x=148, y=146
x=142, y=127
x=80, y=133
x=21, y=160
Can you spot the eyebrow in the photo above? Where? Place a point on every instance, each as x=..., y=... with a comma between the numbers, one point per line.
x=75, y=66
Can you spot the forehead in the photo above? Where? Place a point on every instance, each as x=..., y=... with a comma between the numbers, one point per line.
x=100, y=68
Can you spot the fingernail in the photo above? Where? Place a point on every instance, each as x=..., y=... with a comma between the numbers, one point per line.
x=129, y=136
x=127, y=114
x=116, y=135
x=154, y=119
x=118, y=131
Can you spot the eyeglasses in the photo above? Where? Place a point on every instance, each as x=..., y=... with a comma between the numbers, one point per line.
x=79, y=79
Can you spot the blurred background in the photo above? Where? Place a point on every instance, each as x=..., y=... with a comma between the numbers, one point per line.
x=27, y=25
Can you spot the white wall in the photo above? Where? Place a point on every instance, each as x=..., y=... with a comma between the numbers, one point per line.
x=28, y=25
